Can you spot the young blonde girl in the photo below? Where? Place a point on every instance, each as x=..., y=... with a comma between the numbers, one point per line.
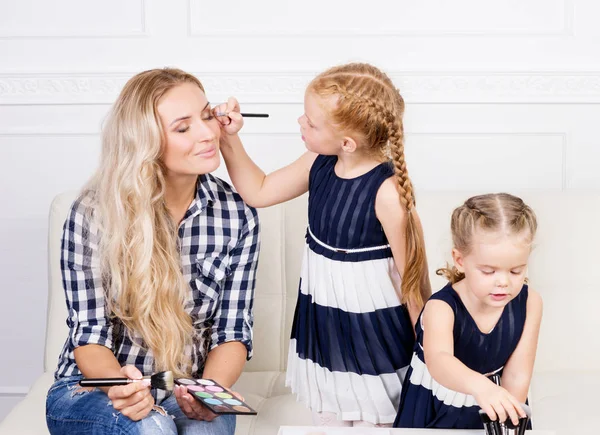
x=364, y=275
x=485, y=321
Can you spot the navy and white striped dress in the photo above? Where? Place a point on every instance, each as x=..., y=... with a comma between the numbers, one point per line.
x=351, y=339
x=426, y=403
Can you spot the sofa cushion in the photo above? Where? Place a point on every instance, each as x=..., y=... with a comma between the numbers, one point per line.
x=566, y=401
x=272, y=400
x=28, y=417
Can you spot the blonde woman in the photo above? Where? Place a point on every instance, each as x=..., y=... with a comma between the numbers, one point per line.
x=158, y=260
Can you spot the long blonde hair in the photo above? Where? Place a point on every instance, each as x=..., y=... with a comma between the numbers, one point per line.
x=370, y=106
x=490, y=212
x=144, y=284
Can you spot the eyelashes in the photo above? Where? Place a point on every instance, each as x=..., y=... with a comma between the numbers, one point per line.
x=514, y=272
x=206, y=118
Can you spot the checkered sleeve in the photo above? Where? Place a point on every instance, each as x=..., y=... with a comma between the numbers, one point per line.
x=82, y=282
x=234, y=317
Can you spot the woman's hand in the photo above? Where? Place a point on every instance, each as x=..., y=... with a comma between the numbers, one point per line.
x=228, y=115
x=133, y=400
x=497, y=402
x=192, y=408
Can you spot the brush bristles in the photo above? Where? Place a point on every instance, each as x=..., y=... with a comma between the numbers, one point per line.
x=162, y=381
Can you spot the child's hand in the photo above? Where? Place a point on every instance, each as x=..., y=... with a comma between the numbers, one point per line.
x=498, y=402
x=228, y=115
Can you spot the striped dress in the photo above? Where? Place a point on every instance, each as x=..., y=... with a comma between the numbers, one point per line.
x=351, y=338
x=426, y=403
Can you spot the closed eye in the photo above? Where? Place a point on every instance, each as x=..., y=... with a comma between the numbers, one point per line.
x=207, y=114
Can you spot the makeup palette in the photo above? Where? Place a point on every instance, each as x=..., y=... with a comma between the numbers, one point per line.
x=215, y=397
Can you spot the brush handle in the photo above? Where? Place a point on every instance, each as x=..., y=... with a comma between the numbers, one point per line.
x=255, y=115
x=106, y=382
x=246, y=115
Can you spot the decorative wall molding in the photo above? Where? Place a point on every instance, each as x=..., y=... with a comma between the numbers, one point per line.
x=288, y=87
x=206, y=30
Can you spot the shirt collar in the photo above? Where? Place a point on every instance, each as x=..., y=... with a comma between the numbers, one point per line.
x=205, y=196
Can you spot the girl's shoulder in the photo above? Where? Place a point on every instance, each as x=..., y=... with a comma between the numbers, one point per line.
x=446, y=294
x=529, y=299
x=444, y=300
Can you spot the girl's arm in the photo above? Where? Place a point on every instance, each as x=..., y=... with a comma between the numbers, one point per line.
x=256, y=188
x=446, y=369
x=392, y=215
x=517, y=373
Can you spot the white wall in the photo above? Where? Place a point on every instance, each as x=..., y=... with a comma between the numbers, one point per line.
x=500, y=94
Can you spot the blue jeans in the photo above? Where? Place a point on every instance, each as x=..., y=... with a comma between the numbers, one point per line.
x=69, y=412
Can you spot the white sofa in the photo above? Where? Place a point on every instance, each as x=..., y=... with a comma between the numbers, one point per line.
x=564, y=268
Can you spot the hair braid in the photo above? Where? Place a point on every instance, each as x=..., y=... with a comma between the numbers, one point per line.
x=371, y=107
x=491, y=212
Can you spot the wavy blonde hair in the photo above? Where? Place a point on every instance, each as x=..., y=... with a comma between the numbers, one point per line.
x=144, y=284
x=490, y=212
x=370, y=107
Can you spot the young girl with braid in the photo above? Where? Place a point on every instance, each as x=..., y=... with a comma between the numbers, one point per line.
x=364, y=274
x=484, y=322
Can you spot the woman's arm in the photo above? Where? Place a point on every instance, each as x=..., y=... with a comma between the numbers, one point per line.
x=90, y=327
x=392, y=215
x=231, y=338
x=517, y=372
x=258, y=189
x=96, y=361
x=225, y=363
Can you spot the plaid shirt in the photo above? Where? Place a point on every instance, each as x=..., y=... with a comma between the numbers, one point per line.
x=219, y=245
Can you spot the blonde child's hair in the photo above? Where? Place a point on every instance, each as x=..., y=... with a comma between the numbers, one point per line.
x=490, y=212
x=139, y=257
x=370, y=107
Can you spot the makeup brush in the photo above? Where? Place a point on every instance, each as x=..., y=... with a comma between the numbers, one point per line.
x=506, y=428
x=246, y=115
x=520, y=428
x=160, y=380
x=491, y=427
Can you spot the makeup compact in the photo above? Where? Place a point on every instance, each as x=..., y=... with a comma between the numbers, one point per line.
x=215, y=397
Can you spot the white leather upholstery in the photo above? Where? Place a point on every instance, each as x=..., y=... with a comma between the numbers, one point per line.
x=564, y=269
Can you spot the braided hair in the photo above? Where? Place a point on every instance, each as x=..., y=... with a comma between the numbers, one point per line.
x=491, y=212
x=371, y=108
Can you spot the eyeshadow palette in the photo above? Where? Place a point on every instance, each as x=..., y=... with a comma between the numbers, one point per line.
x=215, y=397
